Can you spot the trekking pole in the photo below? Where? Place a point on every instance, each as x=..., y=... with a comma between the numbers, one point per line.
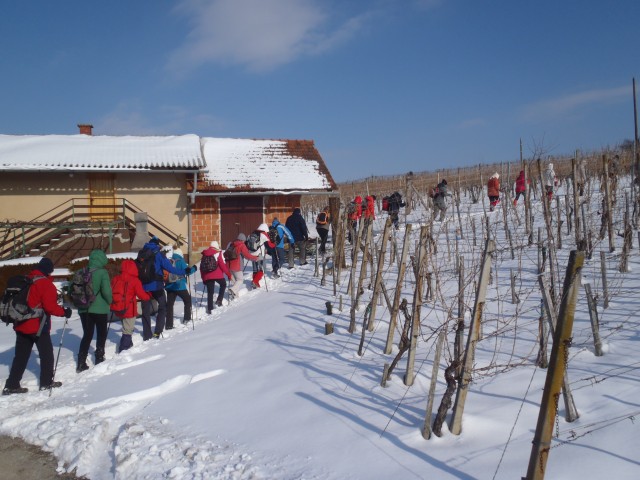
x=55, y=367
x=194, y=311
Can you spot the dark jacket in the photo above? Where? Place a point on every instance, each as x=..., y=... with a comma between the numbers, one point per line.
x=161, y=263
x=297, y=226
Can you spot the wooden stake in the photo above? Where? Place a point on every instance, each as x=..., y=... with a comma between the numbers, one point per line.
x=396, y=299
x=426, y=428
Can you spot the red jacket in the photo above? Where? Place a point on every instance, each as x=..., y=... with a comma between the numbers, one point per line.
x=358, y=213
x=520, y=187
x=493, y=187
x=133, y=289
x=370, y=212
x=235, y=265
x=43, y=294
x=219, y=272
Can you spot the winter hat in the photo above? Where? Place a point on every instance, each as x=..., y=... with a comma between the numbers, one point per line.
x=178, y=251
x=215, y=245
x=263, y=227
x=155, y=240
x=45, y=265
x=495, y=175
x=550, y=166
x=242, y=237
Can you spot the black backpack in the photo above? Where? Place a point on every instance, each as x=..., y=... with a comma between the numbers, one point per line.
x=13, y=306
x=230, y=253
x=209, y=263
x=146, y=263
x=253, y=242
x=274, y=235
x=81, y=288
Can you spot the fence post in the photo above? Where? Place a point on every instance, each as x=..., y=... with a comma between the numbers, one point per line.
x=555, y=373
x=472, y=339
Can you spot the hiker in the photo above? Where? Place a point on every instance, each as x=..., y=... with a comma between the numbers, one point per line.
x=126, y=288
x=581, y=175
x=549, y=180
x=154, y=284
x=96, y=316
x=256, y=245
x=493, y=191
x=395, y=202
x=369, y=208
x=236, y=265
x=210, y=278
x=42, y=296
x=323, y=224
x=298, y=227
x=520, y=187
x=354, y=212
x=439, y=195
x=280, y=232
x=178, y=288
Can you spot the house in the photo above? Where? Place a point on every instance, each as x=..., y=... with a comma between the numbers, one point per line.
x=63, y=195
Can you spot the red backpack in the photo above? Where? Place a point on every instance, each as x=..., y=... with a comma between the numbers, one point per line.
x=119, y=288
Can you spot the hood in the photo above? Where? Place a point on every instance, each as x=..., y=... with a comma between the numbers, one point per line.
x=128, y=267
x=153, y=246
x=210, y=251
x=495, y=175
x=296, y=211
x=97, y=259
x=550, y=166
x=275, y=222
x=263, y=227
x=358, y=199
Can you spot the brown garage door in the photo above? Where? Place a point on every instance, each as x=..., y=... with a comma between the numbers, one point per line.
x=239, y=215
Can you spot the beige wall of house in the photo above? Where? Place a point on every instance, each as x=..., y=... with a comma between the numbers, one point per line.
x=163, y=196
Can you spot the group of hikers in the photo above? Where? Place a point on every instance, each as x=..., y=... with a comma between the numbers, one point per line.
x=156, y=278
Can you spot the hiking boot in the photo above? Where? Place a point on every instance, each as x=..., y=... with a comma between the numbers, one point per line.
x=156, y=336
x=12, y=391
x=219, y=303
x=49, y=387
x=307, y=263
x=255, y=285
x=82, y=367
x=99, y=356
x=276, y=275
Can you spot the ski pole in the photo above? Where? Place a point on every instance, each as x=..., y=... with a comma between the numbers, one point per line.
x=55, y=367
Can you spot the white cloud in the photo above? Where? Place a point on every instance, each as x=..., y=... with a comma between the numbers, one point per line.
x=130, y=118
x=258, y=34
x=561, y=106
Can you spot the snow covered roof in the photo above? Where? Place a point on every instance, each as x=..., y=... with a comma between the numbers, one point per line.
x=236, y=164
x=99, y=153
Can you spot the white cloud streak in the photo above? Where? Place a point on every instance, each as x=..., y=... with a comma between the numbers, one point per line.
x=260, y=35
x=568, y=104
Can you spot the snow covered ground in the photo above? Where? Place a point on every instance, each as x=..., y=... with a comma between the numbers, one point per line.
x=256, y=390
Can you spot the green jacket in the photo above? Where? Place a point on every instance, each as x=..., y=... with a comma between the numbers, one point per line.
x=100, y=282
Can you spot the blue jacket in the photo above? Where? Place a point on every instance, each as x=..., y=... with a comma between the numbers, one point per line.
x=297, y=226
x=181, y=284
x=282, y=231
x=161, y=263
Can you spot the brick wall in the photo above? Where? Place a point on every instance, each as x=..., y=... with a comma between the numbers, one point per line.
x=205, y=222
x=280, y=206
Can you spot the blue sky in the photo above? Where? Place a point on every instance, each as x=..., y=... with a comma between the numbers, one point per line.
x=381, y=86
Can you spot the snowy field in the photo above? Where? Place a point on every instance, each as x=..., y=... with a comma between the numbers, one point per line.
x=256, y=390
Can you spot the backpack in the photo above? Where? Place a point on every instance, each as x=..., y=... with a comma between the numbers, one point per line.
x=209, y=263
x=253, y=242
x=274, y=235
x=13, y=306
x=322, y=218
x=81, y=288
x=119, y=296
x=385, y=204
x=351, y=208
x=169, y=277
x=230, y=253
x=434, y=192
x=146, y=263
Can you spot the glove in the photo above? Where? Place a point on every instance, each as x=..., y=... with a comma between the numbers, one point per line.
x=187, y=271
x=194, y=268
x=67, y=312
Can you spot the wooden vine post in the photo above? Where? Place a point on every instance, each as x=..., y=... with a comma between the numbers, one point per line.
x=417, y=306
x=607, y=195
x=555, y=373
x=474, y=328
x=398, y=291
x=576, y=201
x=426, y=428
x=355, y=300
x=377, y=284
